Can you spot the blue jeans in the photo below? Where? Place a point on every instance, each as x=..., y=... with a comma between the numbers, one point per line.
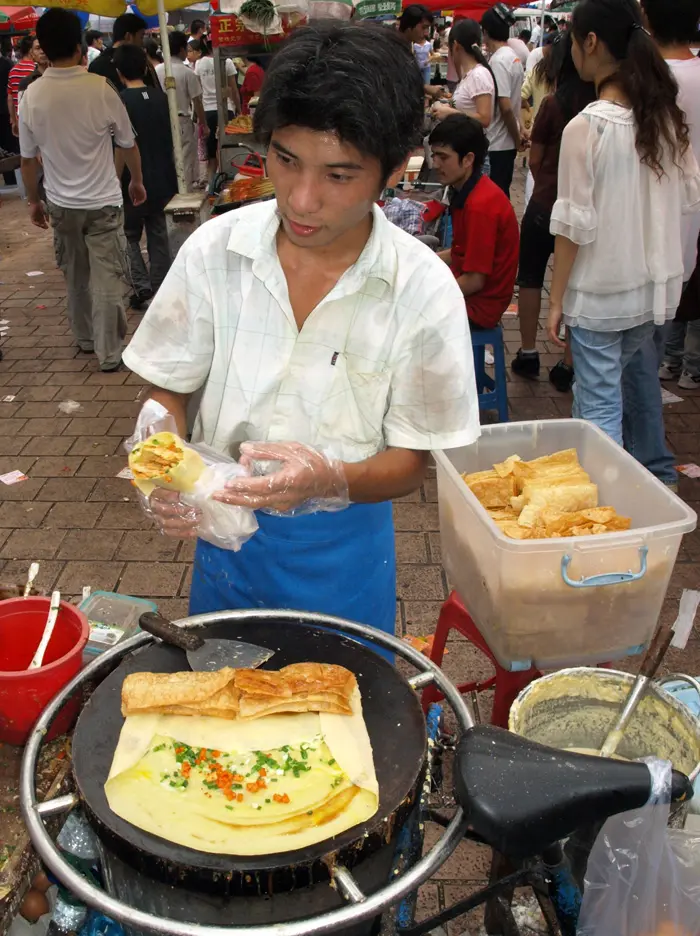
x=617, y=388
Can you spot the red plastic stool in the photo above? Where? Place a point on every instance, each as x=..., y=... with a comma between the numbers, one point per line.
x=454, y=616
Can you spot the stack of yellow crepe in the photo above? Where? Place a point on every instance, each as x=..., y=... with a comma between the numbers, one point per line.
x=547, y=497
x=244, y=762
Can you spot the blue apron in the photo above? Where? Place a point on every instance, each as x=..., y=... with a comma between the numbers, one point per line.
x=339, y=563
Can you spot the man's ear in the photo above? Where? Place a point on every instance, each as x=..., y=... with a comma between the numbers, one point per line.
x=468, y=161
x=397, y=174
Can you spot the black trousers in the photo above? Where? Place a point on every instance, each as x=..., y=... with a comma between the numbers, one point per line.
x=8, y=142
x=502, y=166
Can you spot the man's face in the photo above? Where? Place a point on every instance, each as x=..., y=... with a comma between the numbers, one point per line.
x=99, y=44
x=38, y=54
x=419, y=32
x=324, y=187
x=136, y=38
x=450, y=169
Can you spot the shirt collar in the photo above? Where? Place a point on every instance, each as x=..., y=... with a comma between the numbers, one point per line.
x=256, y=238
x=458, y=197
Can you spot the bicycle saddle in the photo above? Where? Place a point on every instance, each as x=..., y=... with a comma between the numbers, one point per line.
x=520, y=796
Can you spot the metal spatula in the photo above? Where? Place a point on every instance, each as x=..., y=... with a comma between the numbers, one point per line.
x=205, y=655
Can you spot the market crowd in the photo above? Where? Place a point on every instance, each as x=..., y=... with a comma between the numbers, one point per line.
x=605, y=106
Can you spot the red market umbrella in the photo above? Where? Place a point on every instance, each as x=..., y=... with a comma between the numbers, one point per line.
x=17, y=18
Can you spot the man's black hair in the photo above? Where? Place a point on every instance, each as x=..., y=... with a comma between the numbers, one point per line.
x=201, y=45
x=25, y=45
x=197, y=25
x=464, y=135
x=177, y=41
x=672, y=21
x=59, y=34
x=357, y=80
x=496, y=24
x=550, y=23
x=92, y=35
x=525, y=35
x=413, y=16
x=127, y=24
x=130, y=60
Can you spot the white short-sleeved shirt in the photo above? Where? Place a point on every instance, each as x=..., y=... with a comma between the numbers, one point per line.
x=626, y=221
x=205, y=70
x=687, y=74
x=508, y=72
x=187, y=85
x=385, y=359
x=476, y=82
x=78, y=158
x=521, y=50
x=533, y=58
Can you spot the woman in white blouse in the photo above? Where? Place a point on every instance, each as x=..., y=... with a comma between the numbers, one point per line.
x=626, y=173
x=476, y=92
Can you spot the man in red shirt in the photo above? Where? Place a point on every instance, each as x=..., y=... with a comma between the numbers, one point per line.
x=29, y=51
x=485, y=237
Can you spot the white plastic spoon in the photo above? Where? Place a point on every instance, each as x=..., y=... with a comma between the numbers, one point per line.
x=38, y=657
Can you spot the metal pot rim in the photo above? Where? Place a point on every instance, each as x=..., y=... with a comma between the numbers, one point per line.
x=656, y=686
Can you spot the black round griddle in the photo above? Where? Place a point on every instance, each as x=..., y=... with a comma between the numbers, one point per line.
x=394, y=722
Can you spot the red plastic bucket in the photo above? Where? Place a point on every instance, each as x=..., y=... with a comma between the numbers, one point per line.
x=25, y=693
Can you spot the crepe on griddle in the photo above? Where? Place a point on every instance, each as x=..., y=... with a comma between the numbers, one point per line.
x=245, y=786
x=230, y=693
x=546, y=497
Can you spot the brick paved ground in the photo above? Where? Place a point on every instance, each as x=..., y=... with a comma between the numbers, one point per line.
x=82, y=522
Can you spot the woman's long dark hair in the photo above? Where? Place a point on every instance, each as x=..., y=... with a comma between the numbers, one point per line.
x=467, y=34
x=642, y=75
x=572, y=92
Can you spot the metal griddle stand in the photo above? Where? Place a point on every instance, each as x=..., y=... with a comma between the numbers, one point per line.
x=358, y=906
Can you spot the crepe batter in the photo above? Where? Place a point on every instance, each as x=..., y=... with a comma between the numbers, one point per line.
x=331, y=349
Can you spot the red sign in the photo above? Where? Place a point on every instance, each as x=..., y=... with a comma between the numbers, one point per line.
x=227, y=30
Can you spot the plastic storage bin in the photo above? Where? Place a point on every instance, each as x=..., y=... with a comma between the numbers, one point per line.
x=567, y=601
x=112, y=617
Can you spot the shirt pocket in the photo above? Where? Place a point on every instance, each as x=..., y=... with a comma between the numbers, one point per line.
x=352, y=416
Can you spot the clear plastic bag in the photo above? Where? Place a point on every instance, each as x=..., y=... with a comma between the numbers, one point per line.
x=194, y=512
x=643, y=879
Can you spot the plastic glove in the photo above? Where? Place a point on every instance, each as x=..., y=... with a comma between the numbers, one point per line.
x=303, y=480
x=170, y=514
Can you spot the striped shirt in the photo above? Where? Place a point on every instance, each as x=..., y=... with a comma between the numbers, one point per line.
x=19, y=71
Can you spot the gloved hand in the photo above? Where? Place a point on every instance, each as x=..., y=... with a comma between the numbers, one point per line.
x=302, y=480
x=170, y=514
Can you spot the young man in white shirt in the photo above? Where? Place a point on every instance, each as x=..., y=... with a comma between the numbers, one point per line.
x=188, y=90
x=84, y=200
x=673, y=24
x=331, y=347
x=504, y=133
x=95, y=44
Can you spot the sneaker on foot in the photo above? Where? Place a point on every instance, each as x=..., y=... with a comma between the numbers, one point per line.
x=688, y=382
x=109, y=368
x=139, y=301
x=488, y=358
x=561, y=376
x=669, y=372
x=526, y=365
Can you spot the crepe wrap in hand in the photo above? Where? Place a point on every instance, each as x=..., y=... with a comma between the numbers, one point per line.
x=163, y=460
x=230, y=693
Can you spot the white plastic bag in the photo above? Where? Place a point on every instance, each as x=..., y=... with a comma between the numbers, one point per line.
x=643, y=879
x=222, y=525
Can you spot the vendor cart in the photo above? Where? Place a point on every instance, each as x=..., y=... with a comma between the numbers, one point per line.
x=509, y=795
x=230, y=39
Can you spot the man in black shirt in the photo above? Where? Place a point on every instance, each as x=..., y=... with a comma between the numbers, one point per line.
x=148, y=113
x=128, y=29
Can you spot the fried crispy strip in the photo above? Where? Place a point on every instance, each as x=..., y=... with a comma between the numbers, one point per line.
x=229, y=693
